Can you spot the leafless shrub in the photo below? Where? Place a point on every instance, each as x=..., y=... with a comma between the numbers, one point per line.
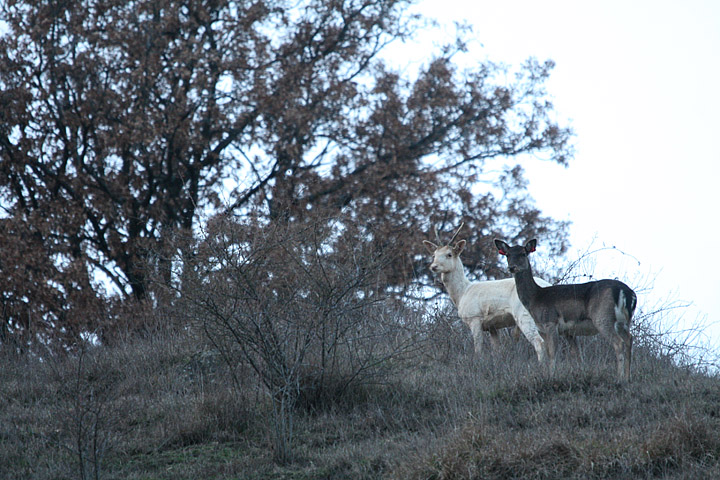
x=449, y=339
x=664, y=329
x=310, y=320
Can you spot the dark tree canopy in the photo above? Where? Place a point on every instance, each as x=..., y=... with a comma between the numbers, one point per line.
x=125, y=122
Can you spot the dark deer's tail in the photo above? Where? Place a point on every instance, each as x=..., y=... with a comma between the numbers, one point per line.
x=625, y=304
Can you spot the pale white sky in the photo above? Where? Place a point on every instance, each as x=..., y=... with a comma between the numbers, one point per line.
x=639, y=81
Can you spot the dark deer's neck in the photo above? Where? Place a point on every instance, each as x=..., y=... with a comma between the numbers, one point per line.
x=527, y=289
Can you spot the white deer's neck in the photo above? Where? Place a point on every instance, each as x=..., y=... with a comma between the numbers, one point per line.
x=456, y=283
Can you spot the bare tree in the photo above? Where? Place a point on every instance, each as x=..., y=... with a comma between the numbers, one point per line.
x=122, y=122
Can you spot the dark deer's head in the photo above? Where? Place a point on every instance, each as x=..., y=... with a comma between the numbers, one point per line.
x=517, y=256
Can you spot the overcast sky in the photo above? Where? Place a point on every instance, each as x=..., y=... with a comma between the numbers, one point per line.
x=639, y=81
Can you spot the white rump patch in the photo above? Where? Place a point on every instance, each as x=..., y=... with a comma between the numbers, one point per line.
x=622, y=315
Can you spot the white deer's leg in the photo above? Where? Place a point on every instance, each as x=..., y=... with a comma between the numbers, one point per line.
x=527, y=326
x=477, y=335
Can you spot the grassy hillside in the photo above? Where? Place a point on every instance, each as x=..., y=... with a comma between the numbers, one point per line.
x=168, y=407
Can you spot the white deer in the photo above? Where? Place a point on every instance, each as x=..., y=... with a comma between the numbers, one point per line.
x=603, y=306
x=483, y=306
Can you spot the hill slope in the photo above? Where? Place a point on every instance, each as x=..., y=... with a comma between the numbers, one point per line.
x=170, y=408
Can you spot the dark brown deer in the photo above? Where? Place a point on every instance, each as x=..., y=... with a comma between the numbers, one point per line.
x=603, y=306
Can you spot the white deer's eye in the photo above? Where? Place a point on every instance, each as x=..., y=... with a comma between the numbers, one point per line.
x=449, y=255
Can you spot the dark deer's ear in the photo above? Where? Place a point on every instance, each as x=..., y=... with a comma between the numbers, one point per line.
x=503, y=248
x=531, y=246
x=431, y=247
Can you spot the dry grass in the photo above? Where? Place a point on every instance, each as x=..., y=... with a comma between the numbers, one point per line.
x=168, y=407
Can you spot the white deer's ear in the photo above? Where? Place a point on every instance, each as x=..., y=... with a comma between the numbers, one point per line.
x=531, y=246
x=502, y=247
x=459, y=247
x=431, y=247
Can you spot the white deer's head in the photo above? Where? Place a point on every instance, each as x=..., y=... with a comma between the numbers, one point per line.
x=445, y=258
